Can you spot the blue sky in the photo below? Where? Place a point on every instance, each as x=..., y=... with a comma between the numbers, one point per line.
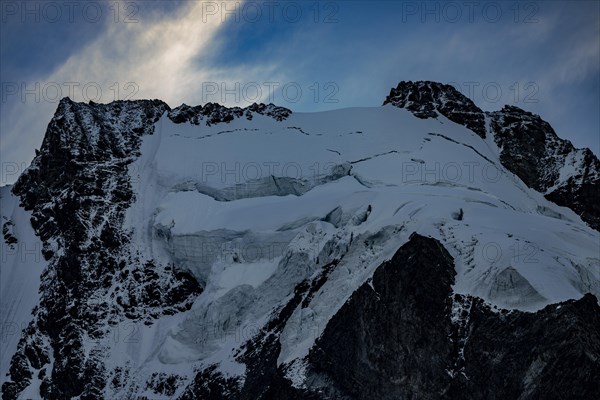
x=305, y=55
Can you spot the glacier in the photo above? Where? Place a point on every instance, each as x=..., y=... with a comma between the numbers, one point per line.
x=513, y=248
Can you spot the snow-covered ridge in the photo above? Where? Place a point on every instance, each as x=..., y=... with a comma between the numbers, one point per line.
x=213, y=113
x=218, y=239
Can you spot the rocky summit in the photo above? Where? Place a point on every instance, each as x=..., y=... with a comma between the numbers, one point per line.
x=423, y=249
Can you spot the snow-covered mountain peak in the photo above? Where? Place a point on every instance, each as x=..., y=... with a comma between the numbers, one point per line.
x=258, y=253
x=425, y=99
x=528, y=146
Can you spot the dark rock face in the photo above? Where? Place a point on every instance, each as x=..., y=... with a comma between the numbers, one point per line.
x=580, y=197
x=425, y=99
x=531, y=150
x=209, y=384
x=397, y=340
x=163, y=384
x=529, y=146
x=551, y=354
x=78, y=190
x=8, y=233
x=390, y=340
x=213, y=113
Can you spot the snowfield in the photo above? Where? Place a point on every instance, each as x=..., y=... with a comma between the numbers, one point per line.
x=22, y=264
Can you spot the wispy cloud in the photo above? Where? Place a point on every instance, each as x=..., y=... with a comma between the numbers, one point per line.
x=157, y=57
